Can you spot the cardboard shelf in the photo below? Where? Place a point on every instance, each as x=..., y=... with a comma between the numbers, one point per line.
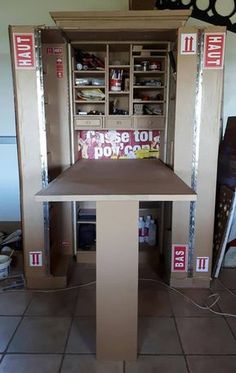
x=117, y=180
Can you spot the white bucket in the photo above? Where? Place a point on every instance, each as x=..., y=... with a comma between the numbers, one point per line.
x=5, y=261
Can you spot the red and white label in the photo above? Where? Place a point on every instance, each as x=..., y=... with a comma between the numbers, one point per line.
x=24, y=51
x=179, y=258
x=214, y=49
x=59, y=67
x=35, y=258
x=202, y=264
x=118, y=144
x=66, y=244
x=55, y=51
x=188, y=44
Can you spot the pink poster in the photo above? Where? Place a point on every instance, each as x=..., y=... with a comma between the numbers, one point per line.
x=119, y=144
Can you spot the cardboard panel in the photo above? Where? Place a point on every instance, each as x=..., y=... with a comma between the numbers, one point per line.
x=208, y=156
x=58, y=138
x=117, y=280
x=29, y=151
x=183, y=142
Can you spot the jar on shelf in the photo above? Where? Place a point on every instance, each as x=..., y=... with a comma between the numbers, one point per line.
x=145, y=65
x=155, y=65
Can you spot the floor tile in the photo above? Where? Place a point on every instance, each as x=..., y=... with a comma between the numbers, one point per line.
x=216, y=285
x=152, y=284
x=154, y=303
x=232, y=323
x=7, y=328
x=82, y=274
x=89, y=364
x=41, y=335
x=206, y=336
x=30, y=363
x=53, y=304
x=156, y=364
x=158, y=336
x=183, y=307
x=147, y=273
x=82, y=337
x=86, y=302
x=228, y=277
x=227, y=302
x=14, y=304
x=216, y=364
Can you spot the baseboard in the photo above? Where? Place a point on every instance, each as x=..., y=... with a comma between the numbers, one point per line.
x=9, y=226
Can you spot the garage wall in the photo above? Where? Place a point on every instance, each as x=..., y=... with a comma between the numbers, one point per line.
x=25, y=12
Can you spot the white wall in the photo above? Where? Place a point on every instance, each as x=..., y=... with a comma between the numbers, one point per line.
x=25, y=12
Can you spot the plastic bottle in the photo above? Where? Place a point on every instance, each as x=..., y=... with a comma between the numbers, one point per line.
x=146, y=228
x=152, y=233
x=141, y=226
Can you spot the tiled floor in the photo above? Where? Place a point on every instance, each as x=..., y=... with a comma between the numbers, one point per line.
x=55, y=332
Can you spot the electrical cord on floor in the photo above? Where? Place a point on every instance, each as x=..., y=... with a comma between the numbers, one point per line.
x=229, y=291
x=215, y=296
x=9, y=290
x=206, y=307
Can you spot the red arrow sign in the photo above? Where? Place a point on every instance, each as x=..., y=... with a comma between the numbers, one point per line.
x=202, y=264
x=35, y=258
x=188, y=43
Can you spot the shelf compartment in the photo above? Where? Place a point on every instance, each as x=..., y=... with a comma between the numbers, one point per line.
x=119, y=93
x=149, y=72
x=151, y=57
x=119, y=54
x=87, y=72
x=119, y=66
x=119, y=122
x=148, y=102
x=89, y=102
x=119, y=104
x=87, y=122
x=86, y=221
x=149, y=122
x=89, y=86
x=150, y=87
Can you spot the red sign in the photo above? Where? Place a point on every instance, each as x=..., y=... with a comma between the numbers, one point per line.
x=35, y=258
x=202, y=264
x=57, y=51
x=188, y=43
x=179, y=258
x=24, y=50
x=59, y=67
x=214, y=48
x=116, y=144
